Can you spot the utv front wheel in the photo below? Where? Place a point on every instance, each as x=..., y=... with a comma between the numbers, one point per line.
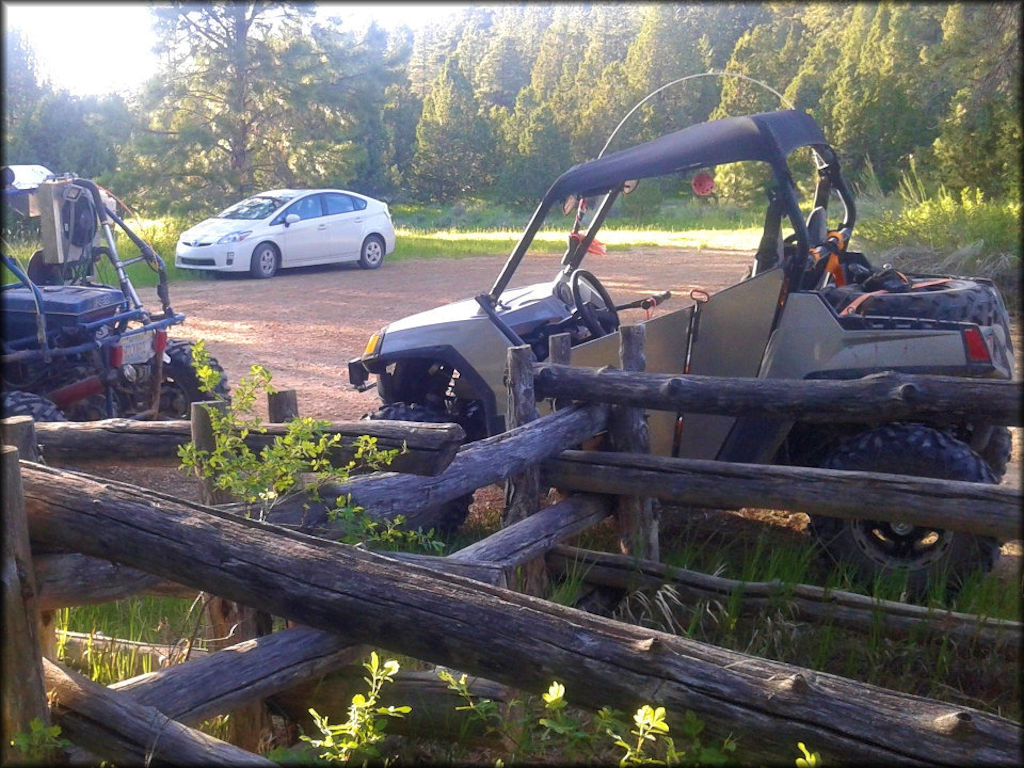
x=30, y=404
x=181, y=387
x=446, y=517
x=920, y=554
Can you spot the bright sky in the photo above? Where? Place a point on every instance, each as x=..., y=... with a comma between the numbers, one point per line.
x=98, y=48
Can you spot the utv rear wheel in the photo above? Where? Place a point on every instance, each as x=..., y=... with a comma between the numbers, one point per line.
x=181, y=387
x=922, y=555
x=450, y=515
x=266, y=260
x=30, y=404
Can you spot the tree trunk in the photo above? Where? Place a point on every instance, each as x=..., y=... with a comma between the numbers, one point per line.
x=510, y=638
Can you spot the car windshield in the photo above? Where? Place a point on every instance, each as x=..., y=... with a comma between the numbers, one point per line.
x=254, y=208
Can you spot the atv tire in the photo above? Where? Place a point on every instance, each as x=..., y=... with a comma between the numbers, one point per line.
x=448, y=516
x=30, y=404
x=996, y=452
x=957, y=301
x=921, y=555
x=181, y=387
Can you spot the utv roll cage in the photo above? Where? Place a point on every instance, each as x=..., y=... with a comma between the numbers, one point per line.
x=768, y=137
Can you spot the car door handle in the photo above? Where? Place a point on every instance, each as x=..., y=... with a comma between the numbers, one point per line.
x=322, y=226
x=358, y=220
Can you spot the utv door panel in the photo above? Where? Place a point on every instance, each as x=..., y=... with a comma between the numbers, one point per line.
x=730, y=339
x=665, y=339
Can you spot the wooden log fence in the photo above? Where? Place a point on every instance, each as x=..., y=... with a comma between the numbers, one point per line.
x=429, y=448
x=128, y=540
x=510, y=638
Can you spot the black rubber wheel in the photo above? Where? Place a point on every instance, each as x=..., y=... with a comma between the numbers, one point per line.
x=180, y=386
x=449, y=516
x=996, y=452
x=958, y=300
x=30, y=404
x=266, y=260
x=922, y=555
x=371, y=255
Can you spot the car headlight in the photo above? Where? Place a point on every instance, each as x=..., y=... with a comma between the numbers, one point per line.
x=234, y=237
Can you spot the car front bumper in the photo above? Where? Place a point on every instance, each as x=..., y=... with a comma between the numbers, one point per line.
x=233, y=257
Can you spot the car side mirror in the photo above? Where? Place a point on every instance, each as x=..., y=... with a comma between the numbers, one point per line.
x=291, y=218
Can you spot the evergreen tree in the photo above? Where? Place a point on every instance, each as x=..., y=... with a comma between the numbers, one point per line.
x=979, y=142
x=453, y=140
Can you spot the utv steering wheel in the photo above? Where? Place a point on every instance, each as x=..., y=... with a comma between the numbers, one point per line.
x=599, y=316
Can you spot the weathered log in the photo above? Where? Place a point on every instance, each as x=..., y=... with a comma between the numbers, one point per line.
x=22, y=692
x=879, y=397
x=433, y=704
x=429, y=448
x=205, y=439
x=479, y=464
x=81, y=649
x=282, y=406
x=507, y=637
x=74, y=579
x=522, y=490
x=628, y=432
x=809, y=603
x=118, y=729
x=20, y=432
x=531, y=538
x=986, y=510
x=247, y=671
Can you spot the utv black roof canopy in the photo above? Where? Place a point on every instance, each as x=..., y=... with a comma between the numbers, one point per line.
x=768, y=136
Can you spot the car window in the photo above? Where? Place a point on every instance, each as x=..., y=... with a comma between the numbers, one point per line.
x=307, y=207
x=335, y=202
x=253, y=208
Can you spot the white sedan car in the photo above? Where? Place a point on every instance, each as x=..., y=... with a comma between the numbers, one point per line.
x=290, y=228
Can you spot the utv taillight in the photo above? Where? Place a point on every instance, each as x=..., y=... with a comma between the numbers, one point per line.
x=116, y=356
x=977, y=349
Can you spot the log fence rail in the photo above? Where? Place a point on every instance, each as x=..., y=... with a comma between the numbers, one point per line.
x=99, y=540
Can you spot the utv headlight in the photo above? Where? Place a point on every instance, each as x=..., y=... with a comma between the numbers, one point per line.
x=373, y=345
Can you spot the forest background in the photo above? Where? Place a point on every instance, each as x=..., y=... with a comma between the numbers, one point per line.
x=496, y=101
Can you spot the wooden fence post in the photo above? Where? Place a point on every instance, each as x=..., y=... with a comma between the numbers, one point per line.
x=202, y=438
x=522, y=490
x=20, y=432
x=23, y=691
x=560, y=352
x=282, y=406
x=628, y=430
x=229, y=622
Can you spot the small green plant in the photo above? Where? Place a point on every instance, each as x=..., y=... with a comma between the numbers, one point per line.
x=301, y=458
x=809, y=760
x=40, y=743
x=364, y=729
